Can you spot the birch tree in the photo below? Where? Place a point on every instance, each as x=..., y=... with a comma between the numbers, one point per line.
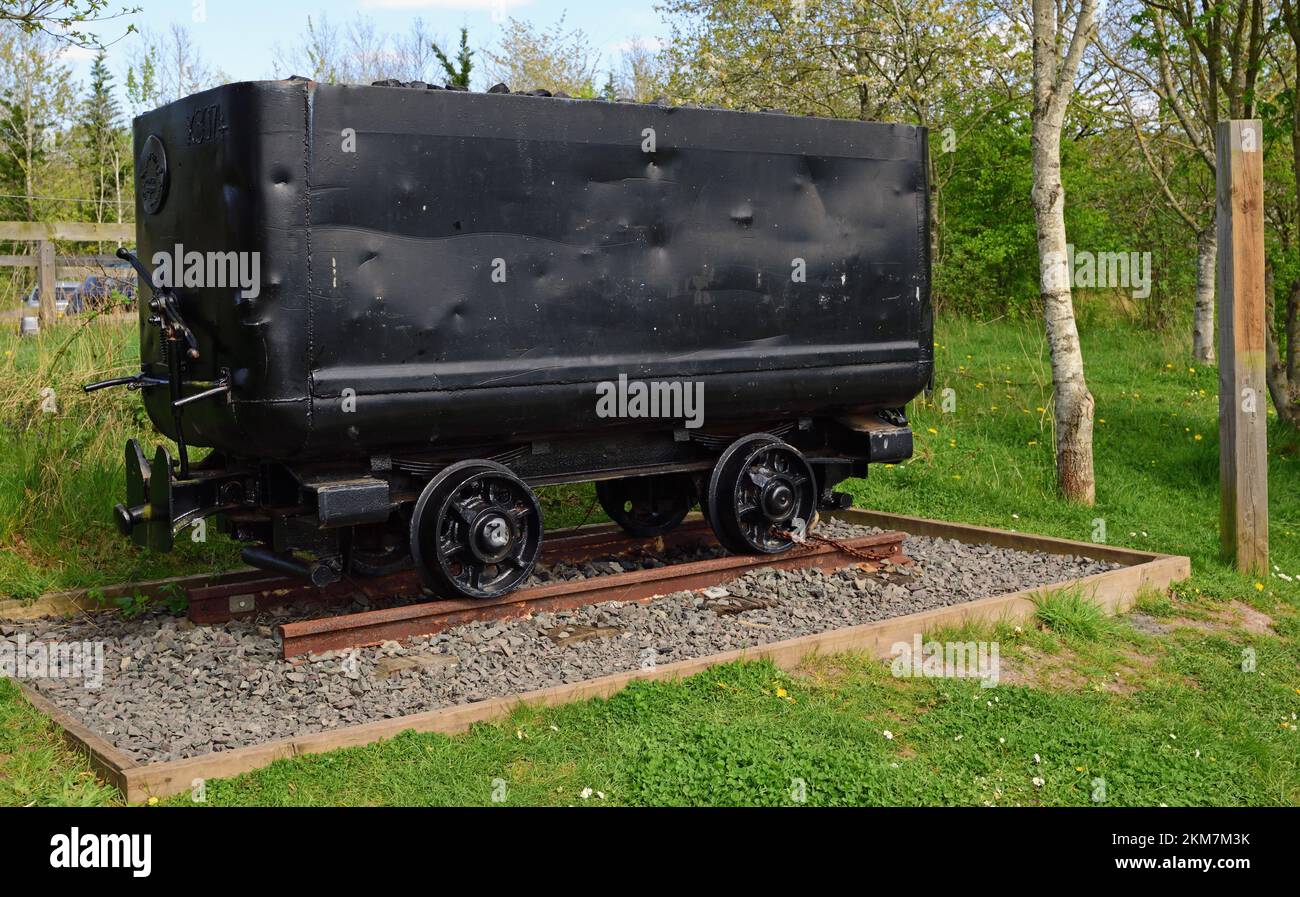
x=1282, y=356
x=1060, y=31
x=1202, y=62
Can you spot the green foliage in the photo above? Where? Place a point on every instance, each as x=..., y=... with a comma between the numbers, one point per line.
x=988, y=262
x=104, y=156
x=61, y=463
x=457, y=70
x=1072, y=614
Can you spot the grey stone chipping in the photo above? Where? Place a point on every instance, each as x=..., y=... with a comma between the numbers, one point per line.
x=172, y=690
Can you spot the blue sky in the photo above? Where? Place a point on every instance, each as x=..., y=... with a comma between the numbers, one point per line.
x=237, y=36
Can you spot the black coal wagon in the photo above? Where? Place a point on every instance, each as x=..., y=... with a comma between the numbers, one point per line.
x=391, y=311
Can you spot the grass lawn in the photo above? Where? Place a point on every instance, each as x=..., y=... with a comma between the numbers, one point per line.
x=1147, y=711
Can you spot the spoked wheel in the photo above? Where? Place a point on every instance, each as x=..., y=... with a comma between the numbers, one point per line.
x=647, y=506
x=476, y=531
x=761, y=493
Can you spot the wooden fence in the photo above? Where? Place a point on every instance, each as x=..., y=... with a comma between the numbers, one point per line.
x=44, y=234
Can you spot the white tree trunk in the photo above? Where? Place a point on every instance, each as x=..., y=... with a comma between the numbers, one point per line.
x=1203, y=314
x=1073, y=403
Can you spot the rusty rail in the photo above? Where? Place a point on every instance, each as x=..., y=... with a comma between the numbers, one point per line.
x=373, y=627
x=243, y=594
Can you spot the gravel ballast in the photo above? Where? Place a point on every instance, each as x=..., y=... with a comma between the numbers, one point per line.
x=171, y=690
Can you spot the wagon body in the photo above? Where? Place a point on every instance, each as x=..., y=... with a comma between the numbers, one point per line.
x=392, y=311
x=467, y=268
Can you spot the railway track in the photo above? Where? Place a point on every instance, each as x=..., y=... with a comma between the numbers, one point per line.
x=242, y=594
x=245, y=593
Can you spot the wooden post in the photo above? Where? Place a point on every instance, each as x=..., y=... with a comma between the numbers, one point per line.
x=1243, y=391
x=46, y=281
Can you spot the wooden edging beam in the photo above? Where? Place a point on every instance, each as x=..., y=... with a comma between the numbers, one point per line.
x=76, y=601
x=108, y=762
x=1114, y=591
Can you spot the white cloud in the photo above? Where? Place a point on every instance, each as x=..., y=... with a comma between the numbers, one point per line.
x=73, y=53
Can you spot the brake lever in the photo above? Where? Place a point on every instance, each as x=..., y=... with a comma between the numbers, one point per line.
x=134, y=382
x=163, y=304
x=220, y=386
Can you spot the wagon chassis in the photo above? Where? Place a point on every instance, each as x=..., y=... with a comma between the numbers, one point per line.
x=322, y=520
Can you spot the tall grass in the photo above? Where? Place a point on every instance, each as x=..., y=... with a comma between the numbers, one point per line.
x=1072, y=614
x=61, y=460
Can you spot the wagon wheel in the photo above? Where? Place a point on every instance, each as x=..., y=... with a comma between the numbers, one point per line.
x=761, y=494
x=647, y=506
x=476, y=531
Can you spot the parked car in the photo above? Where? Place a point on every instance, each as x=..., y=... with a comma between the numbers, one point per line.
x=97, y=289
x=66, y=302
